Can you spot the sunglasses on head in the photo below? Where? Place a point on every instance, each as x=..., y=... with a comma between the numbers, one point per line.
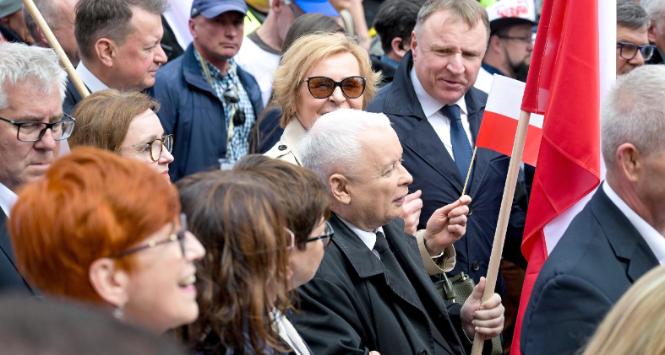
x=322, y=87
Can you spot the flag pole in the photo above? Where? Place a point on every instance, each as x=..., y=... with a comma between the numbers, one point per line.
x=504, y=215
x=468, y=172
x=53, y=42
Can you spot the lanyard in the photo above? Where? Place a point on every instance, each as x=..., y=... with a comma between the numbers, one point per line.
x=234, y=107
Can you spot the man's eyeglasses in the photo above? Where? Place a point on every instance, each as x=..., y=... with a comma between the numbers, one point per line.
x=27, y=131
x=628, y=51
x=178, y=236
x=526, y=39
x=322, y=87
x=232, y=98
x=326, y=237
x=155, y=146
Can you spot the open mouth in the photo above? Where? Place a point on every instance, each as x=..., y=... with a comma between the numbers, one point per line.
x=188, y=281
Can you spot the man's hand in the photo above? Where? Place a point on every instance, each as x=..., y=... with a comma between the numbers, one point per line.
x=411, y=212
x=485, y=318
x=446, y=225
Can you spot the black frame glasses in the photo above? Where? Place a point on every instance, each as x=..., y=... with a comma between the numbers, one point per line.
x=180, y=236
x=156, y=146
x=32, y=131
x=326, y=237
x=322, y=87
x=626, y=48
x=238, y=115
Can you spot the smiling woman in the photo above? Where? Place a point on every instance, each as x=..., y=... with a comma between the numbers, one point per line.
x=125, y=123
x=106, y=230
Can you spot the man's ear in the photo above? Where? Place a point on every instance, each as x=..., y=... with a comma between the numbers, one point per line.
x=651, y=33
x=398, y=47
x=110, y=282
x=339, y=188
x=629, y=161
x=105, y=50
x=494, y=44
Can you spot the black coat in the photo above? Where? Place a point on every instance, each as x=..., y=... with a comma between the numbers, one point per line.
x=434, y=172
x=598, y=258
x=10, y=279
x=350, y=308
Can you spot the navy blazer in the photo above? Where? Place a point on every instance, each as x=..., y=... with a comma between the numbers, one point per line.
x=598, y=258
x=434, y=172
x=10, y=279
x=353, y=306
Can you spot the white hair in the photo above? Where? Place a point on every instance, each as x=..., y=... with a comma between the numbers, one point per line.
x=39, y=66
x=634, y=112
x=334, y=144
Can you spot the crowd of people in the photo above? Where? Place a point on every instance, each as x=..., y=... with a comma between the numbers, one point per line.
x=270, y=176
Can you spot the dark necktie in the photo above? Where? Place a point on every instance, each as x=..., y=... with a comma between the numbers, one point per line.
x=461, y=148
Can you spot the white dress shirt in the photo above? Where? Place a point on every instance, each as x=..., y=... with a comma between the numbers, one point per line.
x=652, y=237
x=368, y=238
x=441, y=124
x=7, y=199
x=89, y=79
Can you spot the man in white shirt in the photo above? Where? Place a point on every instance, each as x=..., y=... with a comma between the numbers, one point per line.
x=119, y=43
x=620, y=233
x=32, y=87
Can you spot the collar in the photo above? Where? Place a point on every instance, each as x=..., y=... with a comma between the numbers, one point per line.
x=429, y=104
x=368, y=238
x=492, y=69
x=89, y=79
x=214, y=71
x=654, y=240
x=293, y=134
x=254, y=37
x=385, y=59
x=7, y=199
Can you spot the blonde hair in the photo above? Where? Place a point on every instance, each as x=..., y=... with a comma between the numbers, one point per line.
x=308, y=51
x=636, y=324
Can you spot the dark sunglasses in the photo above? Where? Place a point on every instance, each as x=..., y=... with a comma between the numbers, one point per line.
x=322, y=87
x=237, y=114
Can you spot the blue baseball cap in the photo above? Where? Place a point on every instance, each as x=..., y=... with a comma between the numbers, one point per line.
x=322, y=7
x=214, y=8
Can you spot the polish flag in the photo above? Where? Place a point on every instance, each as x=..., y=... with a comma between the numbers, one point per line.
x=502, y=111
x=572, y=68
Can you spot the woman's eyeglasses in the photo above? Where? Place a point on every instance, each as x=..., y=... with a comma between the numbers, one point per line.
x=326, y=237
x=321, y=87
x=155, y=146
x=179, y=236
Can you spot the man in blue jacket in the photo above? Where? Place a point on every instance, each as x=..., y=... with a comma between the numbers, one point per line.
x=207, y=101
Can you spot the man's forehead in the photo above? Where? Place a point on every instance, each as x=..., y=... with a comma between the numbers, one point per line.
x=633, y=35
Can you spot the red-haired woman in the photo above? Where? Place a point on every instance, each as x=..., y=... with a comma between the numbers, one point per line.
x=107, y=230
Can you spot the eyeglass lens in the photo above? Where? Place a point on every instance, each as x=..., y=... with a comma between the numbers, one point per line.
x=322, y=87
x=628, y=51
x=34, y=131
x=157, y=145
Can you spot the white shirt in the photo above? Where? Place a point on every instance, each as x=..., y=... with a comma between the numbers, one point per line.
x=89, y=79
x=441, y=124
x=177, y=16
x=289, y=334
x=652, y=237
x=484, y=81
x=368, y=238
x=260, y=63
x=7, y=199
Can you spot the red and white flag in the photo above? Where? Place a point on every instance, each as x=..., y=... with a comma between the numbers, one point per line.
x=572, y=67
x=502, y=112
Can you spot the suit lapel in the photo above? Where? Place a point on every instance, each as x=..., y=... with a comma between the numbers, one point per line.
x=5, y=243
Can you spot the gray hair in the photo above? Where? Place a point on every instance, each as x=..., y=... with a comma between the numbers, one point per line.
x=20, y=63
x=468, y=11
x=634, y=112
x=334, y=142
x=49, y=11
x=631, y=15
x=655, y=8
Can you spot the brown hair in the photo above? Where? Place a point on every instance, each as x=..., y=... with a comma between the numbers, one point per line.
x=244, y=273
x=302, y=195
x=91, y=204
x=103, y=118
x=306, y=52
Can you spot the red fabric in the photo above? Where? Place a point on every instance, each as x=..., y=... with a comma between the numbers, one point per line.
x=497, y=132
x=563, y=85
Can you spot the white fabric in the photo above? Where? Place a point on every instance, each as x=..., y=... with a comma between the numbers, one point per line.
x=261, y=64
x=89, y=79
x=177, y=16
x=289, y=334
x=484, y=81
x=655, y=240
x=368, y=238
x=441, y=124
x=7, y=199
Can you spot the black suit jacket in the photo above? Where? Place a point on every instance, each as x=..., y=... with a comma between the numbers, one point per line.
x=598, y=258
x=72, y=97
x=10, y=279
x=350, y=307
x=434, y=172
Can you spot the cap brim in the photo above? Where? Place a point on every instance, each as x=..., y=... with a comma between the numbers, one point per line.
x=504, y=22
x=222, y=8
x=323, y=8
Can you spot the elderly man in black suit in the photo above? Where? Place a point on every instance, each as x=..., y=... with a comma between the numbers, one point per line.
x=371, y=292
x=619, y=235
x=32, y=88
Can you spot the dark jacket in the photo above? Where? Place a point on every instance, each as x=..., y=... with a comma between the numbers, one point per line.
x=10, y=279
x=351, y=307
x=598, y=258
x=194, y=115
x=434, y=172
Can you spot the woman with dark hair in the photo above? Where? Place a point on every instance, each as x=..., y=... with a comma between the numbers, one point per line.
x=107, y=230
